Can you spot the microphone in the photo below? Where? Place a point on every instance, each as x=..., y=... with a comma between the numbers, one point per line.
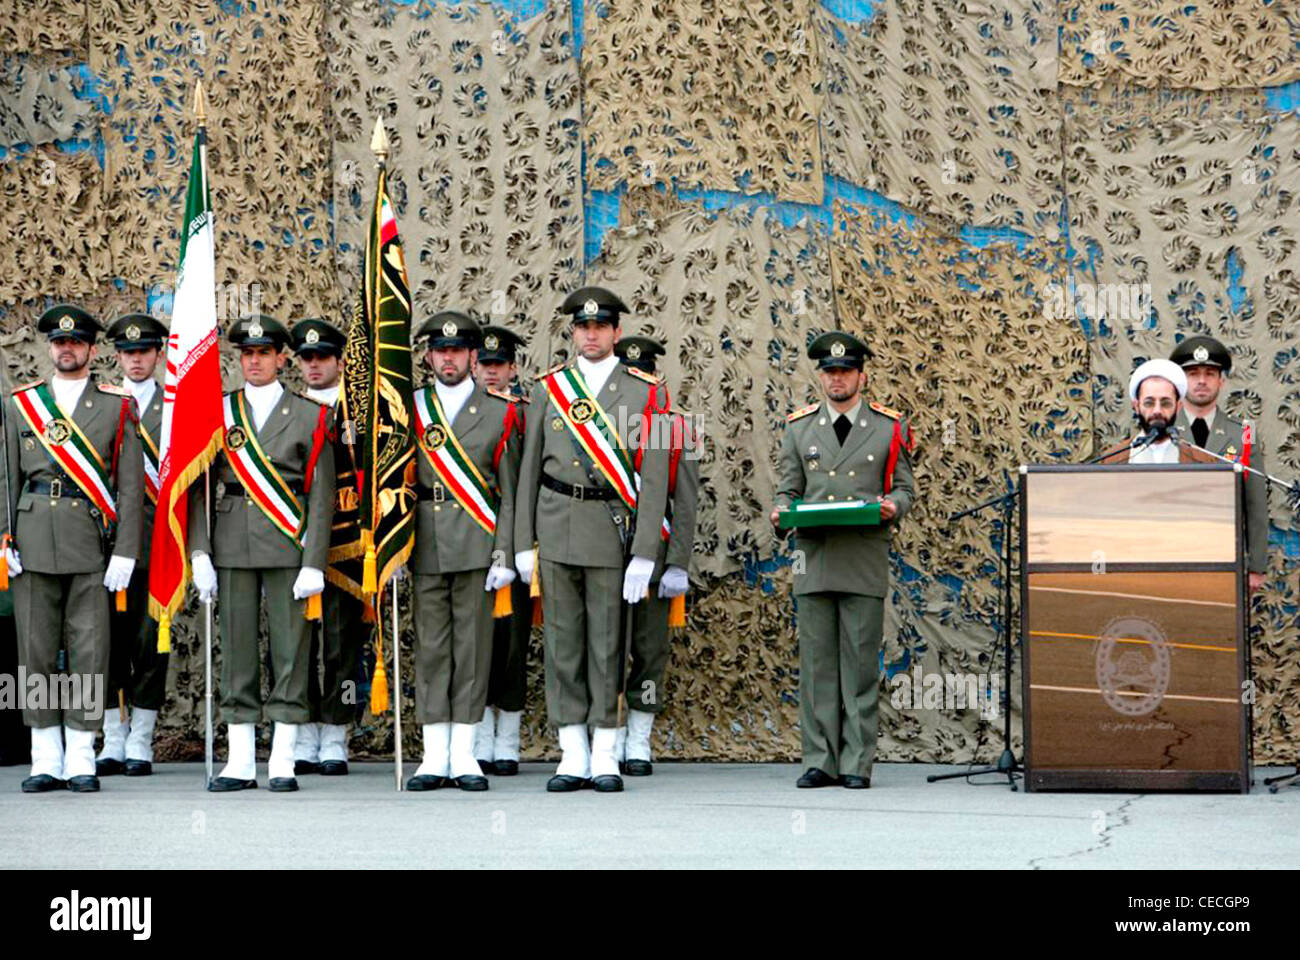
x=1145, y=439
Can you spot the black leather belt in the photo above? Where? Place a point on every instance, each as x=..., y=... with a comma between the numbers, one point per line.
x=232, y=489
x=54, y=489
x=578, y=493
x=437, y=493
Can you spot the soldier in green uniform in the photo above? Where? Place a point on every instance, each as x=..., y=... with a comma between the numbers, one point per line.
x=75, y=486
x=322, y=745
x=496, y=739
x=137, y=672
x=468, y=465
x=649, y=653
x=1207, y=363
x=274, y=497
x=843, y=448
x=597, y=528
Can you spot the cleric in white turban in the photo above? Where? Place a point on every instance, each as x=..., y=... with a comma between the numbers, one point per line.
x=1156, y=390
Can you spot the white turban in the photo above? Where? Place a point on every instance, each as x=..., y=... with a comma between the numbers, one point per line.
x=1159, y=367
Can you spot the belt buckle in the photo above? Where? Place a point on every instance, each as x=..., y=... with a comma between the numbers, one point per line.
x=439, y=493
x=577, y=491
x=56, y=488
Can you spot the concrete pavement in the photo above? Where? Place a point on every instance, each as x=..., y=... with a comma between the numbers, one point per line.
x=685, y=816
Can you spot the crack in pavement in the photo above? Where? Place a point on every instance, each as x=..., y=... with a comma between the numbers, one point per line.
x=1105, y=838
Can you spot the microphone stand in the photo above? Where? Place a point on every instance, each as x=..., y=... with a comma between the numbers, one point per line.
x=1293, y=494
x=1007, y=765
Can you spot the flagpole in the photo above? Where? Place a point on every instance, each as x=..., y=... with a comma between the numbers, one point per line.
x=201, y=115
x=397, y=683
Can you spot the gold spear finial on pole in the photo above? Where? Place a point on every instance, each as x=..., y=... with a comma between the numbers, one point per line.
x=379, y=141
x=200, y=104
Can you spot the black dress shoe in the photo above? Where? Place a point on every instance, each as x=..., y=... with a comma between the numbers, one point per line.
x=86, y=783
x=284, y=784
x=608, y=783
x=638, y=768
x=333, y=768
x=564, y=783
x=855, y=782
x=487, y=766
x=506, y=768
x=816, y=778
x=472, y=783
x=425, y=782
x=302, y=768
x=108, y=767
x=42, y=783
x=230, y=784
x=138, y=768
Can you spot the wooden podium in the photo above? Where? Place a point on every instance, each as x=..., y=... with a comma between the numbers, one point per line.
x=1133, y=628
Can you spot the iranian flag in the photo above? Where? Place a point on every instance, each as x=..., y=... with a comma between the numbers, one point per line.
x=192, y=420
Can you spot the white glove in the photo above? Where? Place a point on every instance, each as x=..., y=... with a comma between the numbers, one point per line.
x=309, y=583
x=118, y=574
x=498, y=576
x=673, y=583
x=637, y=579
x=11, y=558
x=524, y=564
x=399, y=574
x=205, y=577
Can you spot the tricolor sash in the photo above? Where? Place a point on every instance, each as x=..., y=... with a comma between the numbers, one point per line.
x=451, y=463
x=591, y=428
x=150, y=464
x=261, y=481
x=68, y=447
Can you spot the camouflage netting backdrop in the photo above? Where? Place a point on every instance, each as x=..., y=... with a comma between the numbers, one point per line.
x=1013, y=201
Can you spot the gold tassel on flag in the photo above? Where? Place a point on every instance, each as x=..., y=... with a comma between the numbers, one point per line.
x=312, y=609
x=379, y=684
x=535, y=590
x=165, y=634
x=4, y=563
x=501, y=604
x=120, y=598
x=369, y=577
x=677, y=611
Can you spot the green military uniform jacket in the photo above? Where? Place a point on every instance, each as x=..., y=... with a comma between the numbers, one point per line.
x=684, y=502
x=814, y=468
x=1225, y=439
x=447, y=539
x=59, y=535
x=243, y=537
x=582, y=532
x=151, y=423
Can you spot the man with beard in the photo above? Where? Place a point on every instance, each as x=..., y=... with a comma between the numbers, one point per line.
x=468, y=464
x=842, y=449
x=336, y=638
x=274, y=488
x=1156, y=390
x=496, y=740
x=1207, y=363
x=597, y=523
x=137, y=672
x=76, y=484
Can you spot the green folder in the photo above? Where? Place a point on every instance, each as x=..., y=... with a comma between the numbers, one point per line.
x=843, y=513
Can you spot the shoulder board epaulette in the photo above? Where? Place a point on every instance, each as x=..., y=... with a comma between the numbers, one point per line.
x=887, y=411
x=802, y=412
x=522, y=398
x=114, y=389
x=555, y=369
x=303, y=396
x=26, y=386
x=642, y=375
x=500, y=394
